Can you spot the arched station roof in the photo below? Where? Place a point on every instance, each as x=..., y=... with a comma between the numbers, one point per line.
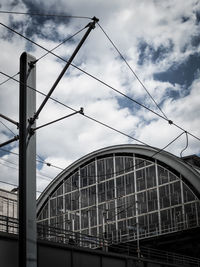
x=189, y=174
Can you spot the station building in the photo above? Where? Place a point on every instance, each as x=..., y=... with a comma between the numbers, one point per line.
x=8, y=211
x=128, y=193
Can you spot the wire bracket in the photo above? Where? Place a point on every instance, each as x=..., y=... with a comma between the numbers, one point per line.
x=170, y=122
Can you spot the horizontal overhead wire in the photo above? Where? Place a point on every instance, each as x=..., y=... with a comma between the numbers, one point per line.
x=8, y=166
x=40, y=161
x=113, y=173
x=44, y=15
x=118, y=92
x=104, y=83
x=15, y=185
x=9, y=79
x=39, y=175
x=93, y=119
x=7, y=127
x=85, y=72
x=4, y=182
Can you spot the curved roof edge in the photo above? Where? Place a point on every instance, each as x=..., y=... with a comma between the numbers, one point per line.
x=186, y=170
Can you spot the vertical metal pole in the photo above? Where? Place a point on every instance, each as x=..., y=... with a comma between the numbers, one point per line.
x=138, y=231
x=27, y=165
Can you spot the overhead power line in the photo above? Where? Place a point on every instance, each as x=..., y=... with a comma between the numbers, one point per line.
x=15, y=185
x=8, y=166
x=7, y=128
x=160, y=150
x=47, y=163
x=114, y=173
x=8, y=151
x=93, y=119
x=131, y=69
x=44, y=15
x=10, y=162
x=9, y=79
x=86, y=73
x=50, y=164
x=8, y=183
x=181, y=153
x=64, y=41
x=40, y=161
x=102, y=82
x=39, y=174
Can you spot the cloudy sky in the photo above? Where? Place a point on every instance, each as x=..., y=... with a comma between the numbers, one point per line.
x=160, y=42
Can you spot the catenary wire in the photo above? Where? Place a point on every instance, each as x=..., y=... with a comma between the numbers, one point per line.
x=15, y=164
x=8, y=151
x=9, y=79
x=126, y=207
x=50, y=165
x=44, y=15
x=129, y=136
x=64, y=41
x=105, y=124
x=7, y=183
x=50, y=51
x=159, y=151
x=120, y=172
x=88, y=74
x=41, y=160
x=44, y=162
x=185, y=145
x=47, y=178
x=134, y=166
x=102, y=82
x=91, y=118
x=8, y=166
x=131, y=69
x=47, y=163
x=7, y=128
x=39, y=175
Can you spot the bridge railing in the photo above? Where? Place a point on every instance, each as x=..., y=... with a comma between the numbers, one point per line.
x=53, y=234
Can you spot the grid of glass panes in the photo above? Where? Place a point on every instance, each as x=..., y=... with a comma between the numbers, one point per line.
x=122, y=196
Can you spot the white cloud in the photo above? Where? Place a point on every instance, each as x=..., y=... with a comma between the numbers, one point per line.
x=167, y=24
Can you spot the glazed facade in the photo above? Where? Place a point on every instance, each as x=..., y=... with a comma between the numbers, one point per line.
x=122, y=196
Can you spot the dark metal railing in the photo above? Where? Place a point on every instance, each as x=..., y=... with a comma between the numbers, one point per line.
x=53, y=234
